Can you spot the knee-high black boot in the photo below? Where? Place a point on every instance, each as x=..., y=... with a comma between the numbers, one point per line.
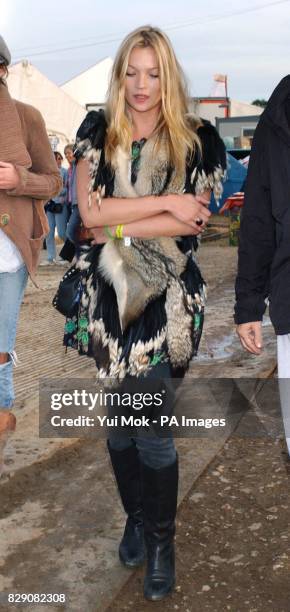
x=126, y=468
x=159, y=490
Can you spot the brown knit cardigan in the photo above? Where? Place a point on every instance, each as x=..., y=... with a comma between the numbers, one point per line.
x=22, y=215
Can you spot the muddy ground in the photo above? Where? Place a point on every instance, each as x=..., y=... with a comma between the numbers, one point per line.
x=233, y=541
x=60, y=515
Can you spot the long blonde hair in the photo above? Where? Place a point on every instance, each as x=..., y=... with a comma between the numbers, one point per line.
x=173, y=123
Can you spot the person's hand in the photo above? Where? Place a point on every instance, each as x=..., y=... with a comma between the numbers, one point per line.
x=190, y=209
x=99, y=235
x=250, y=335
x=9, y=178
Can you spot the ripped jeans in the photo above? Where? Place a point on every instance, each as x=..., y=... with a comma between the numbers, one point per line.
x=12, y=286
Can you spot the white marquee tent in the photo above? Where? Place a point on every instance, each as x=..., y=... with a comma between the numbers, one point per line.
x=61, y=113
x=90, y=87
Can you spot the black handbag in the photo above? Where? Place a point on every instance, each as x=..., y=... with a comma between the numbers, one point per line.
x=53, y=207
x=67, y=297
x=68, y=251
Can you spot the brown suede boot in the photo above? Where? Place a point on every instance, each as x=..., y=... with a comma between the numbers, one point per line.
x=7, y=427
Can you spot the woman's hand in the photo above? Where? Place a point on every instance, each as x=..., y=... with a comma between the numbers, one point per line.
x=9, y=178
x=99, y=235
x=190, y=209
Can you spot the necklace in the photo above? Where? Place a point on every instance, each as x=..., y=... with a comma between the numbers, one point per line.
x=135, y=158
x=136, y=148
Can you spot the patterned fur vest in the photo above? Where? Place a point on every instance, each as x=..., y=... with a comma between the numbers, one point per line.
x=142, y=303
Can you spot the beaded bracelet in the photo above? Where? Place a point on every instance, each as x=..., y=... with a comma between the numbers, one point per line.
x=108, y=232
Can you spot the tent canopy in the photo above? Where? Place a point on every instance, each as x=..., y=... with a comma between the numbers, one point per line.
x=90, y=87
x=62, y=114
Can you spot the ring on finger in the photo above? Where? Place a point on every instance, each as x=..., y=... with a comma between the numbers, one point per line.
x=199, y=221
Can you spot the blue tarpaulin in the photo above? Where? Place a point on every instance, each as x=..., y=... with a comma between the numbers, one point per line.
x=236, y=174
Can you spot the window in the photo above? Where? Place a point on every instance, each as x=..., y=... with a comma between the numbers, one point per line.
x=248, y=132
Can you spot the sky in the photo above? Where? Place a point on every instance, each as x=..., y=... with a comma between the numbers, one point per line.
x=247, y=40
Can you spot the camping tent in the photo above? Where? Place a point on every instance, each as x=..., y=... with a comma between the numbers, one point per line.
x=236, y=175
x=61, y=113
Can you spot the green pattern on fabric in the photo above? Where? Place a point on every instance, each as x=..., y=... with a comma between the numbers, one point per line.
x=83, y=323
x=83, y=337
x=157, y=358
x=70, y=326
x=197, y=320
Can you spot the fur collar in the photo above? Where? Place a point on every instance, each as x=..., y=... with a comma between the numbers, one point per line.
x=138, y=273
x=152, y=175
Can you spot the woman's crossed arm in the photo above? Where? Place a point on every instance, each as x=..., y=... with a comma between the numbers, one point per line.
x=183, y=208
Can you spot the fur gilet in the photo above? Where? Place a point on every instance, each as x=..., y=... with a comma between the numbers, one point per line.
x=147, y=269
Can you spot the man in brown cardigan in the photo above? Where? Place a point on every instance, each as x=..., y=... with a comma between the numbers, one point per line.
x=28, y=177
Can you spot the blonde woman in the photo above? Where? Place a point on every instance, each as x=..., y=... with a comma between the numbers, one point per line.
x=145, y=172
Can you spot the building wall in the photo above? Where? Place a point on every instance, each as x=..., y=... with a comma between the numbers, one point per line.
x=216, y=108
x=237, y=132
x=208, y=108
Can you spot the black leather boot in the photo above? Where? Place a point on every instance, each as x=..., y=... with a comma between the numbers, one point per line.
x=126, y=468
x=159, y=491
